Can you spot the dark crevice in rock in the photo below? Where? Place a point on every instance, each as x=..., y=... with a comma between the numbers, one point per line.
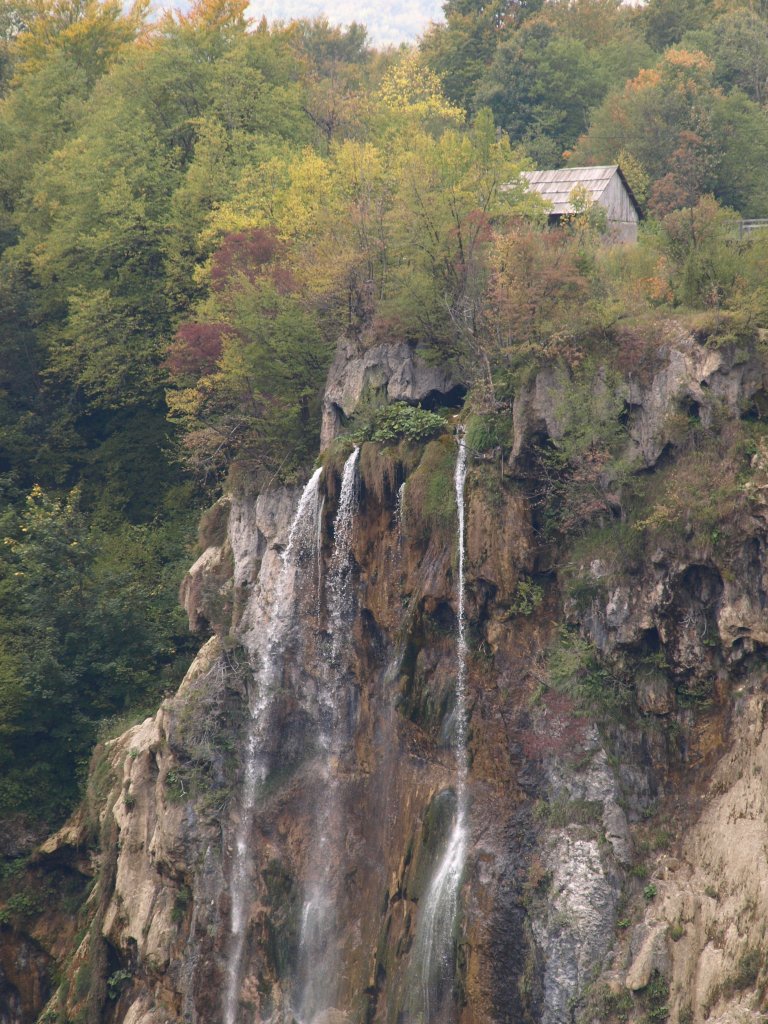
x=663, y=460
x=756, y=407
x=691, y=408
x=453, y=399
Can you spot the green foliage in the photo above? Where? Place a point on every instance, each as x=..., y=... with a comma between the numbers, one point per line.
x=747, y=969
x=20, y=906
x=117, y=981
x=561, y=812
x=180, y=904
x=526, y=597
x=701, y=491
x=192, y=213
x=391, y=424
x=81, y=640
x=430, y=501
x=604, y=1005
x=574, y=668
x=689, y=137
x=615, y=551
x=530, y=69
x=655, y=997
x=698, y=242
x=649, y=893
x=585, y=469
x=485, y=431
x=255, y=395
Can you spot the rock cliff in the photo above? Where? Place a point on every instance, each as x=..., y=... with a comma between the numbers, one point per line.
x=615, y=865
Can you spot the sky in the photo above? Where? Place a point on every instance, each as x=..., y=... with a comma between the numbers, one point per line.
x=393, y=22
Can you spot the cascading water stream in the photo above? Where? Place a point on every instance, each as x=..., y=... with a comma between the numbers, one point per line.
x=340, y=597
x=269, y=641
x=434, y=937
x=317, y=973
x=400, y=509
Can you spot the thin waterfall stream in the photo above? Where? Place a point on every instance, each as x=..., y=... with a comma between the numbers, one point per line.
x=434, y=936
x=278, y=615
x=316, y=970
x=400, y=509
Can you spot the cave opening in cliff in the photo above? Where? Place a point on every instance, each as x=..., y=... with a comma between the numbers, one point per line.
x=453, y=399
x=692, y=409
x=756, y=408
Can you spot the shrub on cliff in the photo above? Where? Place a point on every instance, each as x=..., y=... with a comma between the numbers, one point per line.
x=390, y=424
x=576, y=669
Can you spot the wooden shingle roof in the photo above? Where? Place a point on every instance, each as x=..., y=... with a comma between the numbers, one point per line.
x=556, y=186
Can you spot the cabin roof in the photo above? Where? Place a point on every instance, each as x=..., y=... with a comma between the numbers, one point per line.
x=556, y=186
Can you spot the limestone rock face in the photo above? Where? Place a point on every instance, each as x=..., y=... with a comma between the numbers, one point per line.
x=536, y=413
x=576, y=932
x=694, y=380
x=606, y=861
x=25, y=983
x=687, y=379
x=705, y=928
x=384, y=373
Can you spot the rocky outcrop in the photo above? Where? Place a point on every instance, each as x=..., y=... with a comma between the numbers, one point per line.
x=382, y=374
x=704, y=928
x=25, y=977
x=684, y=378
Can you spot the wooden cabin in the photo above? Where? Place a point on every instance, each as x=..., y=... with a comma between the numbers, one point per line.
x=605, y=186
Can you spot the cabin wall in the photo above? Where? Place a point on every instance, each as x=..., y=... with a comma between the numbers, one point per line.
x=622, y=215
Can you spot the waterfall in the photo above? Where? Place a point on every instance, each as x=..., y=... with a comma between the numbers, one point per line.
x=317, y=971
x=319, y=563
x=278, y=617
x=340, y=596
x=400, y=509
x=437, y=917
x=459, y=480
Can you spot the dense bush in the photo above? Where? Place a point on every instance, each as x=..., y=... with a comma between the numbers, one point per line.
x=390, y=424
x=487, y=431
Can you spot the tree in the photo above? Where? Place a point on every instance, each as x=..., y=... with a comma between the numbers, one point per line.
x=740, y=127
x=740, y=51
x=254, y=394
x=460, y=50
x=336, y=63
x=541, y=87
x=665, y=22
x=450, y=193
x=538, y=291
x=703, y=262
x=411, y=95
x=690, y=138
x=82, y=637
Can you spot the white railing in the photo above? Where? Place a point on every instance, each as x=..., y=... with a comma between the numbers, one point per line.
x=746, y=227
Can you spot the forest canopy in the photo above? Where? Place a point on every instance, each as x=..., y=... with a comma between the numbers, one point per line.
x=194, y=209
